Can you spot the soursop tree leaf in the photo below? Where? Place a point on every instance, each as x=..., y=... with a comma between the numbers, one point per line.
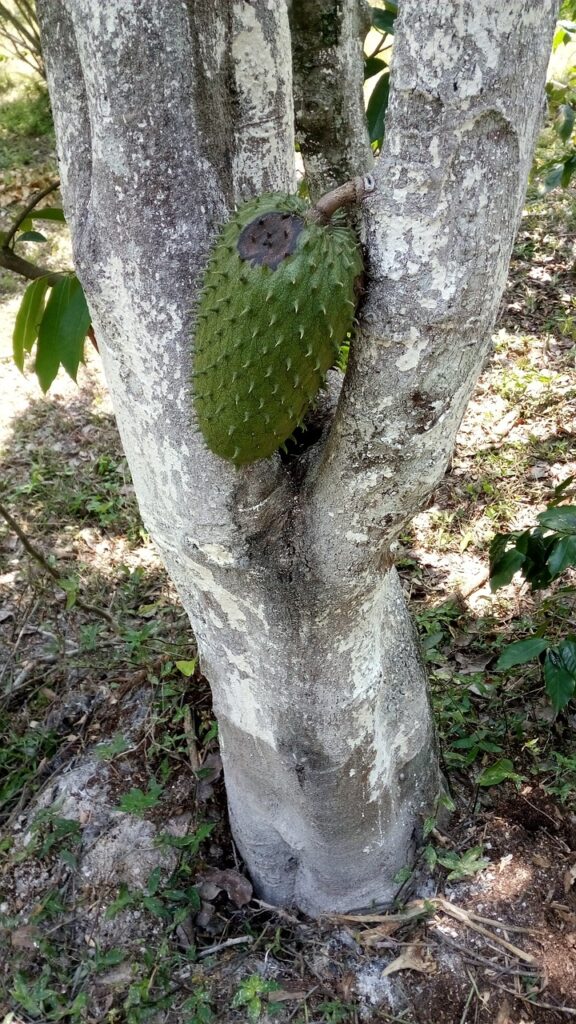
x=522, y=651
x=565, y=121
x=563, y=554
x=62, y=331
x=28, y=319
x=562, y=518
x=567, y=651
x=568, y=170
x=505, y=568
x=373, y=66
x=31, y=236
x=377, y=106
x=384, y=20
x=560, y=681
x=49, y=213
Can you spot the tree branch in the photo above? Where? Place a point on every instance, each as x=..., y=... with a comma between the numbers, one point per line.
x=441, y=225
x=328, y=63
x=26, y=210
x=18, y=265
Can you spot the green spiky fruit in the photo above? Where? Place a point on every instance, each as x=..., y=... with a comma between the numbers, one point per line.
x=277, y=302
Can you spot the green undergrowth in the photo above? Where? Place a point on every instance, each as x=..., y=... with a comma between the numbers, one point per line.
x=497, y=726
x=26, y=130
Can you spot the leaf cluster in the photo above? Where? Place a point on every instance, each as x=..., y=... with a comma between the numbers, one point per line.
x=541, y=554
x=378, y=64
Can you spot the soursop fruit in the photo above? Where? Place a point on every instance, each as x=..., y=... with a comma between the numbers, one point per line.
x=277, y=302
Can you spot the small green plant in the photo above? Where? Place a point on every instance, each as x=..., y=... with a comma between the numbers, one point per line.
x=334, y=1011
x=138, y=802
x=171, y=899
x=459, y=865
x=50, y=833
x=252, y=995
x=198, y=1007
x=541, y=554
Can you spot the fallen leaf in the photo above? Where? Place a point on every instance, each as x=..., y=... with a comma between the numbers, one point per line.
x=569, y=878
x=25, y=937
x=205, y=915
x=283, y=995
x=411, y=959
x=503, y=1013
x=237, y=886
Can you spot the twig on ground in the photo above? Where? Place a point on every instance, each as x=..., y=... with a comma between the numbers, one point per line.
x=570, y=1010
x=467, y=919
x=467, y=1004
x=472, y=955
x=191, y=739
x=239, y=940
x=54, y=573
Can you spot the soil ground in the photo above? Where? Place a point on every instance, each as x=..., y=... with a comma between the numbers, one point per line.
x=121, y=897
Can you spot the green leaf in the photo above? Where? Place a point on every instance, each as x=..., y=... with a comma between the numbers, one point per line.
x=562, y=518
x=430, y=856
x=561, y=487
x=117, y=745
x=49, y=213
x=568, y=170
x=468, y=863
x=402, y=875
x=153, y=883
x=28, y=320
x=31, y=236
x=497, y=773
x=505, y=569
x=522, y=651
x=562, y=555
x=383, y=20
x=187, y=668
x=62, y=331
x=373, y=66
x=377, y=105
x=154, y=905
x=567, y=651
x=137, y=802
x=559, y=680
x=565, y=121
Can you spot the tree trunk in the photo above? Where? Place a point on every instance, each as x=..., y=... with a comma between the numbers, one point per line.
x=284, y=566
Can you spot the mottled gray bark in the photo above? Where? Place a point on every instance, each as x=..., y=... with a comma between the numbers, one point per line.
x=328, y=67
x=283, y=566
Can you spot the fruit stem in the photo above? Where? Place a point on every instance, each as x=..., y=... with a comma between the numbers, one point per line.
x=353, y=191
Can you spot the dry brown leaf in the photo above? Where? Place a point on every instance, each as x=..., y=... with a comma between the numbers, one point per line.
x=25, y=937
x=411, y=959
x=569, y=878
x=236, y=885
x=541, y=862
x=565, y=913
x=503, y=1013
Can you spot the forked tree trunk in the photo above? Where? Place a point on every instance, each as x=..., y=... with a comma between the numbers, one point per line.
x=165, y=115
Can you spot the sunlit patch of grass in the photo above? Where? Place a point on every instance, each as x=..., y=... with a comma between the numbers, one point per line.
x=26, y=130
